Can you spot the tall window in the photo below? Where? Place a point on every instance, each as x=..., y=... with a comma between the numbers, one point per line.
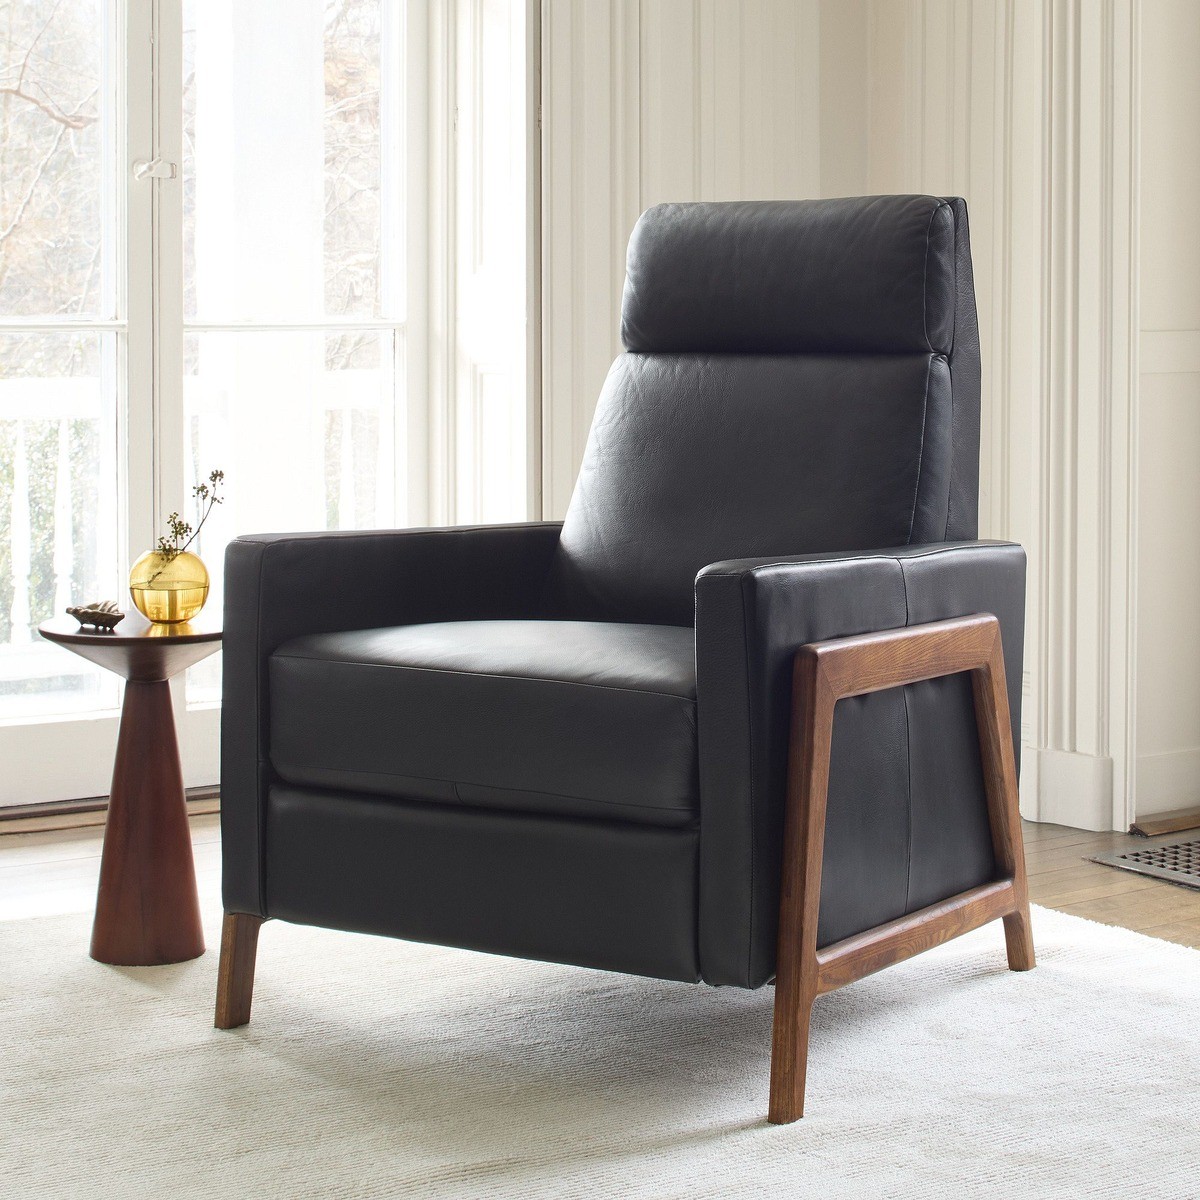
x=285, y=238
x=60, y=341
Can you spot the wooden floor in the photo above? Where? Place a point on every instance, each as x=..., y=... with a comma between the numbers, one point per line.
x=1059, y=877
x=55, y=872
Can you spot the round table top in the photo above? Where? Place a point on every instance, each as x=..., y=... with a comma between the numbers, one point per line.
x=137, y=649
x=133, y=627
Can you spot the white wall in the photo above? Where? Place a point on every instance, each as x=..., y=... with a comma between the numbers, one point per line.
x=1025, y=107
x=1034, y=111
x=645, y=101
x=1168, y=577
x=1069, y=125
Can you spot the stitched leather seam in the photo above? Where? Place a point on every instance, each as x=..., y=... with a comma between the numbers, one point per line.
x=920, y=551
x=950, y=473
x=950, y=366
x=908, y=748
x=745, y=584
x=956, y=548
x=262, y=756
x=799, y=562
x=912, y=522
x=925, y=273
x=772, y=564
x=698, y=821
x=338, y=536
x=954, y=243
x=925, y=282
x=605, y=687
x=455, y=784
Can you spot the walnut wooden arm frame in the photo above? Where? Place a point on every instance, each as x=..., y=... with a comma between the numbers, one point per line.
x=826, y=672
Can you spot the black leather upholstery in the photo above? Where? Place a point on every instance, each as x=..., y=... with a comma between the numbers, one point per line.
x=800, y=379
x=870, y=274
x=567, y=717
x=596, y=893
x=280, y=586
x=570, y=742
x=693, y=459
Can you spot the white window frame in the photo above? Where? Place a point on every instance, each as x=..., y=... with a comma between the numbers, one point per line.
x=54, y=758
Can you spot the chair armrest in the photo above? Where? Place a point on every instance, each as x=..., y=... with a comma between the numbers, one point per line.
x=752, y=615
x=279, y=586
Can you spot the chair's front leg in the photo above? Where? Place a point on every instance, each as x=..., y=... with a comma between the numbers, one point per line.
x=826, y=672
x=797, y=971
x=1004, y=815
x=235, y=973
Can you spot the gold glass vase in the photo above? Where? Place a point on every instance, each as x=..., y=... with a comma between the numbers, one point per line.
x=168, y=590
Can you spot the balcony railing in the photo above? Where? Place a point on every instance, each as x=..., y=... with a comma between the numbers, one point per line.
x=59, y=517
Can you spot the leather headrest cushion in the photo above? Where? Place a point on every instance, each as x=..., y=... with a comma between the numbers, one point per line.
x=873, y=274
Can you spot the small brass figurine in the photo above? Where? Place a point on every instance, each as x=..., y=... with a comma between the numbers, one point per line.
x=102, y=614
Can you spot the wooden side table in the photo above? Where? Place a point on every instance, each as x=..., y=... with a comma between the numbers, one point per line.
x=147, y=909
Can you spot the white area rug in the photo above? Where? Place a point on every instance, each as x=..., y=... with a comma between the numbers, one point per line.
x=377, y=1068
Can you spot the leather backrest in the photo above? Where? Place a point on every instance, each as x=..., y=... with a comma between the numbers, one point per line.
x=800, y=376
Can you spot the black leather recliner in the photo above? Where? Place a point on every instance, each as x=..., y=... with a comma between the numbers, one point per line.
x=571, y=742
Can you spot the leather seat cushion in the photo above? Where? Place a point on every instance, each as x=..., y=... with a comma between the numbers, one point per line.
x=569, y=717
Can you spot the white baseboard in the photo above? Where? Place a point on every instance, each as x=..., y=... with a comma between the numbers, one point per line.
x=1027, y=785
x=1166, y=782
x=1068, y=789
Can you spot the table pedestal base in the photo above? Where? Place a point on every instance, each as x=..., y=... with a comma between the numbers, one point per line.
x=147, y=910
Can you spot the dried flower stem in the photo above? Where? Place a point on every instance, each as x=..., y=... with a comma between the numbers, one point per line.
x=182, y=534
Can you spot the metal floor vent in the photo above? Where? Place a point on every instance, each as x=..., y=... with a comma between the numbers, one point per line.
x=1176, y=862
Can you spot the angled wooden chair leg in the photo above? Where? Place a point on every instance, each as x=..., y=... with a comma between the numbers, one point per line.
x=1018, y=939
x=1004, y=813
x=235, y=973
x=789, y=1054
x=797, y=973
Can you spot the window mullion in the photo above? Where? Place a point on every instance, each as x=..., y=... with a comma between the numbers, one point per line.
x=440, y=248
x=411, y=347
x=136, y=422
x=170, y=444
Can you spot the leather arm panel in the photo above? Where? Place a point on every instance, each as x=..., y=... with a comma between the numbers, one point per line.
x=906, y=822
x=280, y=586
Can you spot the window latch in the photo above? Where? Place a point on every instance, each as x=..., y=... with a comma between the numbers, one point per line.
x=153, y=168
